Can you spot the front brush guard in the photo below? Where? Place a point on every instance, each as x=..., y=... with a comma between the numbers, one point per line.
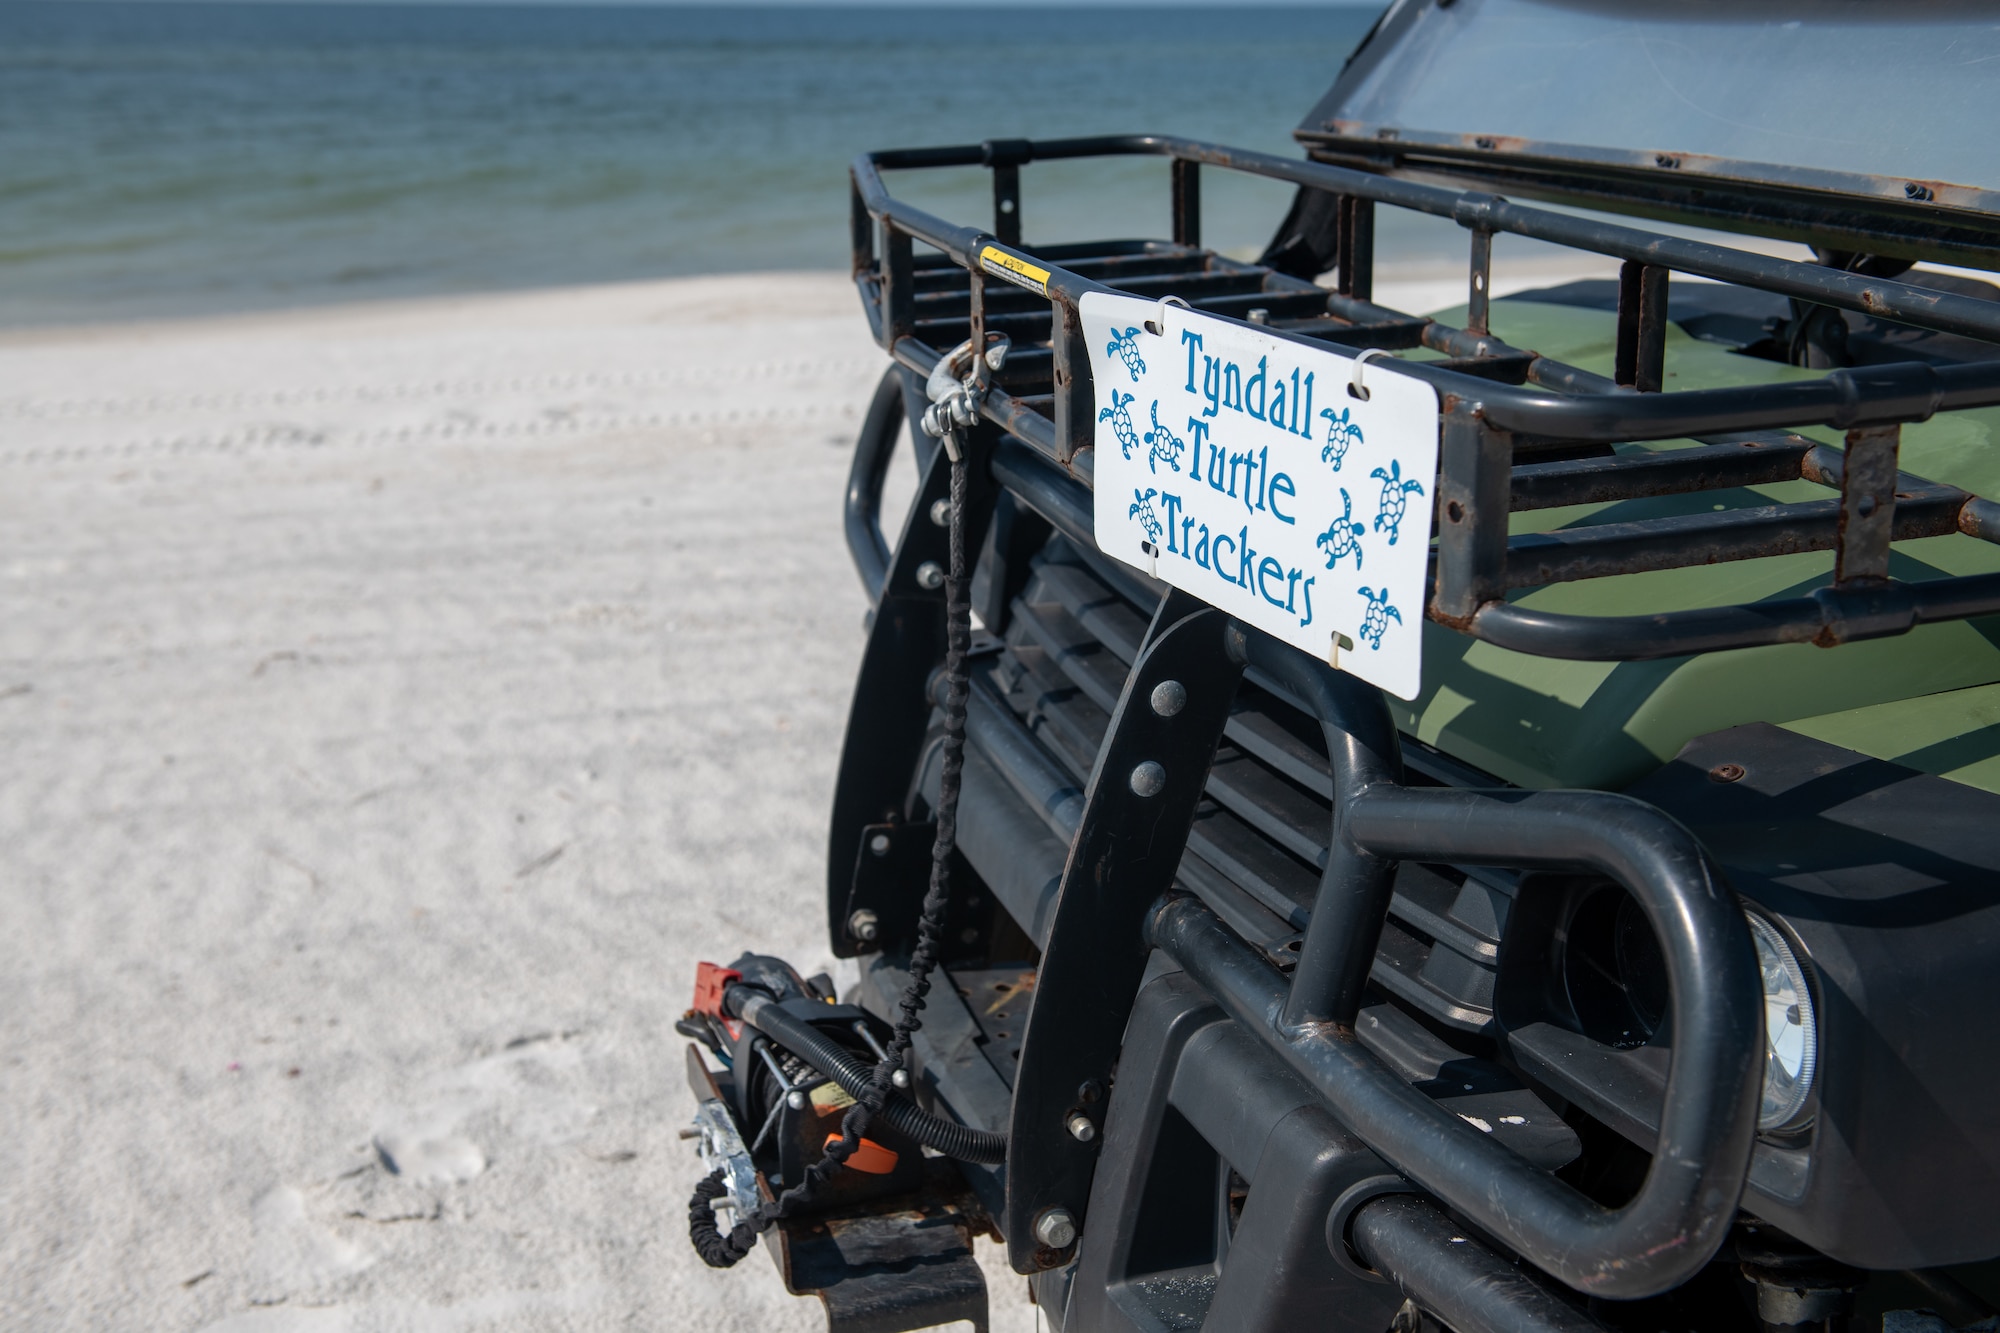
x=1129, y=846
x=1123, y=860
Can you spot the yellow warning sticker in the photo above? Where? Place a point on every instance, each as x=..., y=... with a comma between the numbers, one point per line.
x=1017, y=271
x=830, y=1097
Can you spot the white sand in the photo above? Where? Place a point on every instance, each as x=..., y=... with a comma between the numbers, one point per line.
x=396, y=701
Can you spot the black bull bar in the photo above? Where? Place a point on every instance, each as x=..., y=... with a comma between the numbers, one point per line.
x=1680, y=1215
x=1118, y=901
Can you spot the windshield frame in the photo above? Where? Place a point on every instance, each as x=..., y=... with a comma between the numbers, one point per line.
x=1890, y=215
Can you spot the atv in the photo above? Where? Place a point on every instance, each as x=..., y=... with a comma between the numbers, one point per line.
x=1359, y=820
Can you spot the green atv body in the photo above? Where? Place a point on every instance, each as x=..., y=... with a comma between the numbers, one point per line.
x=1923, y=699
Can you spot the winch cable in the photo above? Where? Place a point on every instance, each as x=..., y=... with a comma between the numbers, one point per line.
x=949, y=416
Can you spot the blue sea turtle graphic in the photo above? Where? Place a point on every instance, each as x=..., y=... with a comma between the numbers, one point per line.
x=1376, y=623
x=1341, y=434
x=1125, y=346
x=1395, y=498
x=1344, y=537
x=1120, y=417
x=1166, y=446
x=1142, y=509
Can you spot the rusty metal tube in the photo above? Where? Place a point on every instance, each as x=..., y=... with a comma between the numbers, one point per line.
x=1453, y=1276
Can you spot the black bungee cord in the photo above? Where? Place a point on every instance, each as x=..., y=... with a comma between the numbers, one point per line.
x=716, y=1249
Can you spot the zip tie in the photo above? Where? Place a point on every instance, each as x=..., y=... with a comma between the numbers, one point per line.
x=1355, y=387
x=1157, y=325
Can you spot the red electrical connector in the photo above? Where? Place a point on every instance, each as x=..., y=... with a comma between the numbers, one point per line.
x=710, y=980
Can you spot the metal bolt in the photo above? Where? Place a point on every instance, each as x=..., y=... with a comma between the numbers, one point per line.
x=941, y=513
x=1080, y=1127
x=1089, y=1091
x=901, y=1078
x=1169, y=697
x=1149, y=779
x=864, y=926
x=796, y=1100
x=861, y=1030
x=1056, y=1229
x=1260, y=316
x=690, y=1133
x=1726, y=773
x=930, y=574
x=879, y=844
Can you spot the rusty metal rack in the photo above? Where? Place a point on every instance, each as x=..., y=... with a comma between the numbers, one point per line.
x=1518, y=431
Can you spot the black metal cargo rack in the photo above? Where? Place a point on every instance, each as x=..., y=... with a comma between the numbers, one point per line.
x=1278, y=763
x=1518, y=431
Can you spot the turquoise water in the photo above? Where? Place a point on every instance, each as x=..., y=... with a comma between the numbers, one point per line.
x=162, y=158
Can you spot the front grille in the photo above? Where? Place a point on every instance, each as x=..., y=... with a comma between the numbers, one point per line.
x=1042, y=701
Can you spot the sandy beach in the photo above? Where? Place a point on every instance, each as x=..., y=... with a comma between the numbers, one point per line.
x=397, y=700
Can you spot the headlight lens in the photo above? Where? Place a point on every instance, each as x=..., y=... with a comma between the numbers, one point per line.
x=1791, y=1039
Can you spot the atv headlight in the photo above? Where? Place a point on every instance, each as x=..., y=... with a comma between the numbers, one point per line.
x=1791, y=1040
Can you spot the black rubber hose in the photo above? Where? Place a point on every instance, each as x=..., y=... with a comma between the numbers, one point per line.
x=830, y=1058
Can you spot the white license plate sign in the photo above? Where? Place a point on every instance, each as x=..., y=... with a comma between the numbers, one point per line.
x=1239, y=467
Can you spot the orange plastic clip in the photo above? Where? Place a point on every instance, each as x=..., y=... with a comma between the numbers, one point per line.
x=870, y=1157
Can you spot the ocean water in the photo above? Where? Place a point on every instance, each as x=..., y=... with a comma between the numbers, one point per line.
x=161, y=158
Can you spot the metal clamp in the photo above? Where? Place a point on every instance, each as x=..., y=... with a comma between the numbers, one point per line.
x=721, y=1148
x=957, y=388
